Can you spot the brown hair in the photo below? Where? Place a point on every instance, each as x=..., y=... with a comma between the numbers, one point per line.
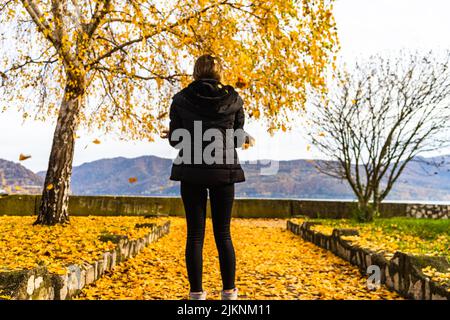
x=207, y=67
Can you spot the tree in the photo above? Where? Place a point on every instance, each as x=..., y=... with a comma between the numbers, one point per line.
x=377, y=118
x=114, y=64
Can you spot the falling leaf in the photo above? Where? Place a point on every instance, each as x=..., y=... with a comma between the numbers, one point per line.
x=161, y=115
x=132, y=180
x=241, y=83
x=96, y=141
x=23, y=157
x=308, y=147
x=50, y=186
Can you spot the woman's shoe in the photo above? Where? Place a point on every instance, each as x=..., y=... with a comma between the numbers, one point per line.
x=233, y=295
x=197, y=295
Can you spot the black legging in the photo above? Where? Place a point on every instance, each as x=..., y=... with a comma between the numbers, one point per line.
x=221, y=199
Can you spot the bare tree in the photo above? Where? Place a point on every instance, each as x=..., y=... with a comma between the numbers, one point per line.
x=377, y=118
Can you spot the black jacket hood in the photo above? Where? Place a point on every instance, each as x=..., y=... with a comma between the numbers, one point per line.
x=209, y=97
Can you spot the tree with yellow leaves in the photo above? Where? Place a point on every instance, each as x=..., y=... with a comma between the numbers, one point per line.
x=114, y=64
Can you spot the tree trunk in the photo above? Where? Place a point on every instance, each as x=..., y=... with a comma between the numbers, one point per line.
x=55, y=196
x=376, y=203
x=365, y=211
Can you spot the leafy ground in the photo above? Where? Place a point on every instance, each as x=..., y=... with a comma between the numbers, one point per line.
x=23, y=245
x=409, y=235
x=272, y=263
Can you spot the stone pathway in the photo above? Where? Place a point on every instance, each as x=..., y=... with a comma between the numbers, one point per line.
x=272, y=263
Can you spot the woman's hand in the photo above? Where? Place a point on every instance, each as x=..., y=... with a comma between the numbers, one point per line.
x=249, y=142
x=164, y=134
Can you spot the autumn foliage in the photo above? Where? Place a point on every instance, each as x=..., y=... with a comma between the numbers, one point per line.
x=127, y=58
x=115, y=64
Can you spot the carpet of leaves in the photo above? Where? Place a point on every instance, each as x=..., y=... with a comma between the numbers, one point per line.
x=272, y=263
x=442, y=278
x=388, y=237
x=24, y=246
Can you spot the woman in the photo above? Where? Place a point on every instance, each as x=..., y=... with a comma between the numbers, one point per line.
x=203, y=105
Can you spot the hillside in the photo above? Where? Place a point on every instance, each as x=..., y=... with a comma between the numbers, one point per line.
x=295, y=179
x=14, y=177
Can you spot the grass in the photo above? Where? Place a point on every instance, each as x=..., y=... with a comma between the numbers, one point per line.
x=387, y=235
x=426, y=229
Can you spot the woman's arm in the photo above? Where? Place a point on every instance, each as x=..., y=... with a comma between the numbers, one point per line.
x=239, y=119
x=241, y=137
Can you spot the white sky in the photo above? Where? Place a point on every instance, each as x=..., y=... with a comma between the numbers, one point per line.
x=365, y=27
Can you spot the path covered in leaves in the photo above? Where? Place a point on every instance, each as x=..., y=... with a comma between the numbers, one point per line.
x=272, y=263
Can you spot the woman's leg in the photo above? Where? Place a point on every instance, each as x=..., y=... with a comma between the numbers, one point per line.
x=194, y=200
x=222, y=198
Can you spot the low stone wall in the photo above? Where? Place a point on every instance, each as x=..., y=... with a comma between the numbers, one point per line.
x=243, y=208
x=39, y=284
x=432, y=211
x=402, y=273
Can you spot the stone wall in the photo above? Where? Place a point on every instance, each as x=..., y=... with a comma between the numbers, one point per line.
x=431, y=211
x=402, y=273
x=243, y=208
x=39, y=284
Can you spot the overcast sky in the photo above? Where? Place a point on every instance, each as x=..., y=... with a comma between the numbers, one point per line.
x=365, y=27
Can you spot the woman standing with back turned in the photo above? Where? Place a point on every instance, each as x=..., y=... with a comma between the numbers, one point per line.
x=207, y=103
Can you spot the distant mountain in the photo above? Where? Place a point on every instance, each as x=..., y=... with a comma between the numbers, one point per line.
x=14, y=177
x=110, y=176
x=421, y=180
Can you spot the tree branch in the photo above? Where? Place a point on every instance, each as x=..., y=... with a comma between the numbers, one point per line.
x=152, y=34
x=101, y=9
x=40, y=21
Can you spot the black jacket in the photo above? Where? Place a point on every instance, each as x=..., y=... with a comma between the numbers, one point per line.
x=213, y=106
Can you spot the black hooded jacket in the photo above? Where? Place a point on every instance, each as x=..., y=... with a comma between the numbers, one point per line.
x=207, y=104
